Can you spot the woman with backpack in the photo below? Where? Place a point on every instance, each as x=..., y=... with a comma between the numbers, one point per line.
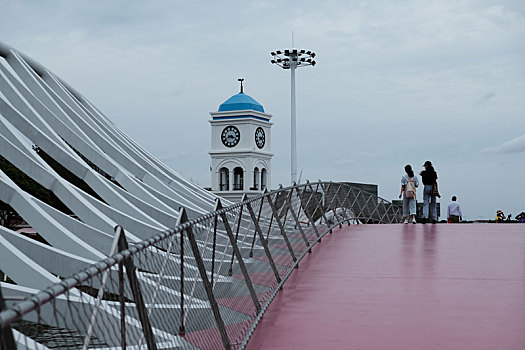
x=409, y=183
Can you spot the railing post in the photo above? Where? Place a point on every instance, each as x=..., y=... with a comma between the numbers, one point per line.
x=244, y=197
x=339, y=203
x=382, y=217
x=263, y=242
x=334, y=197
x=7, y=341
x=296, y=219
x=285, y=206
x=269, y=226
x=354, y=204
x=213, y=249
x=275, y=214
x=326, y=190
x=237, y=253
x=305, y=210
x=366, y=206
x=230, y=270
x=347, y=195
x=114, y=248
x=122, y=301
x=206, y=282
x=376, y=210
x=136, y=291
x=307, y=205
x=395, y=212
x=182, y=329
x=323, y=214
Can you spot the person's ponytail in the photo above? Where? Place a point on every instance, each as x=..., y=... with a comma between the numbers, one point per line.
x=409, y=171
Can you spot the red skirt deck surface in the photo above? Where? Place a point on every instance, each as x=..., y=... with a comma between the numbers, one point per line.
x=442, y=286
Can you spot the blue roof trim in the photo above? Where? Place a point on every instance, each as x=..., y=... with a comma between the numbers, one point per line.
x=242, y=117
x=240, y=102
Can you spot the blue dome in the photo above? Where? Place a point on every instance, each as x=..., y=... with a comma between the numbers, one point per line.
x=240, y=102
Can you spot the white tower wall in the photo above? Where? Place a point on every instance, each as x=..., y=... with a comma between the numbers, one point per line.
x=254, y=161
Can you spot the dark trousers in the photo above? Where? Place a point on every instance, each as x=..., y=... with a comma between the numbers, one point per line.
x=453, y=219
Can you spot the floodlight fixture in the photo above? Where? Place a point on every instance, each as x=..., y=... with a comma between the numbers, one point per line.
x=291, y=59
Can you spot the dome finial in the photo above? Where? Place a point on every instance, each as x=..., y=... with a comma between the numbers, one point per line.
x=241, y=80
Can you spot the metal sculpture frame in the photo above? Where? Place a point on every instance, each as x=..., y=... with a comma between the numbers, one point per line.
x=325, y=203
x=191, y=270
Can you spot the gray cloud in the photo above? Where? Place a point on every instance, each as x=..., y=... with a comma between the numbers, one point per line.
x=176, y=156
x=484, y=99
x=388, y=90
x=344, y=161
x=515, y=145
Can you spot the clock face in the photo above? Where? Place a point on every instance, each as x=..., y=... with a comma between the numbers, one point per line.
x=230, y=136
x=260, y=137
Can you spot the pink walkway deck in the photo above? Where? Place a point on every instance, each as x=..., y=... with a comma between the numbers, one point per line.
x=443, y=286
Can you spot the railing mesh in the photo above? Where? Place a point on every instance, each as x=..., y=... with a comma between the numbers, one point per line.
x=202, y=285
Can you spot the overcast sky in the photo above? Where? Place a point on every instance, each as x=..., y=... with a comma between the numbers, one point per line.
x=397, y=82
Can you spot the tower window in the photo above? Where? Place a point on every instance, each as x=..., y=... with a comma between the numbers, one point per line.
x=238, y=179
x=263, y=179
x=224, y=179
x=256, y=177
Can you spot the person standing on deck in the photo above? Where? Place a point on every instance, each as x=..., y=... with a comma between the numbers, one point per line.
x=500, y=217
x=454, y=214
x=429, y=178
x=409, y=183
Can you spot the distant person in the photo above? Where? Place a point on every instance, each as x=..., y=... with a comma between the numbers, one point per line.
x=454, y=214
x=509, y=218
x=409, y=183
x=500, y=217
x=521, y=217
x=429, y=178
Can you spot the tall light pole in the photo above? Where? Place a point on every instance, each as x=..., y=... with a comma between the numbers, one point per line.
x=291, y=59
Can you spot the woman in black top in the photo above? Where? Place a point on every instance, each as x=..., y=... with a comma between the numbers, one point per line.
x=429, y=177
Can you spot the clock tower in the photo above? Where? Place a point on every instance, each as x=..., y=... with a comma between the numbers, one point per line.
x=240, y=148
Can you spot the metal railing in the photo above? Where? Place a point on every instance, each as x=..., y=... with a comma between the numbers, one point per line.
x=204, y=284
